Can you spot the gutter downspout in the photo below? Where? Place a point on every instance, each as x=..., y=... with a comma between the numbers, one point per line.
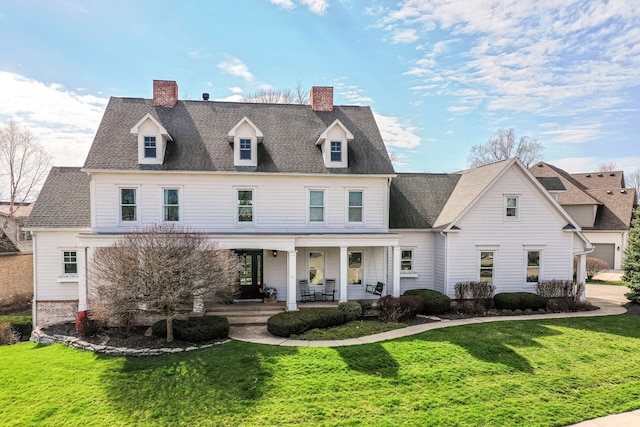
x=35, y=281
x=445, y=285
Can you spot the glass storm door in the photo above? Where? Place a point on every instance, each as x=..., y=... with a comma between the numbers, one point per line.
x=250, y=277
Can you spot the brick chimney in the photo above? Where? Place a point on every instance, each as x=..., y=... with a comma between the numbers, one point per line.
x=165, y=93
x=321, y=98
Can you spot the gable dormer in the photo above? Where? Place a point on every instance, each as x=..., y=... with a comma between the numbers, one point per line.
x=334, y=143
x=152, y=140
x=245, y=137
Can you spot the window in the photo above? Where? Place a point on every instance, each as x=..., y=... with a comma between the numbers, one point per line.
x=533, y=266
x=70, y=262
x=316, y=268
x=511, y=207
x=245, y=205
x=128, y=204
x=406, y=261
x=316, y=206
x=486, y=266
x=24, y=235
x=355, y=268
x=245, y=149
x=336, y=151
x=355, y=206
x=150, y=146
x=171, y=205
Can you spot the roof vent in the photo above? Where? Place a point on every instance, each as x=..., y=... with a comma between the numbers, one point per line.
x=588, y=175
x=612, y=174
x=205, y=96
x=609, y=192
x=540, y=165
x=623, y=191
x=600, y=175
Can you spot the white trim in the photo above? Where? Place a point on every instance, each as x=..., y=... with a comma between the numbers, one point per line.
x=137, y=204
x=245, y=224
x=161, y=129
x=180, y=203
x=63, y=274
x=493, y=267
x=232, y=133
x=324, y=207
x=506, y=207
x=232, y=173
x=362, y=222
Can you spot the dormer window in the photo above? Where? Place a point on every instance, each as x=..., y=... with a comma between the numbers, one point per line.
x=245, y=137
x=150, y=147
x=333, y=143
x=336, y=151
x=245, y=149
x=152, y=140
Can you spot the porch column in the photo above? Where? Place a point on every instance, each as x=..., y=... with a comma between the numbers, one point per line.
x=581, y=272
x=343, y=274
x=397, y=252
x=291, y=282
x=82, y=254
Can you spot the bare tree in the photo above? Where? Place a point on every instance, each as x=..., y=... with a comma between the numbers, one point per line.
x=632, y=180
x=502, y=146
x=24, y=164
x=279, y=96
x=607, y=167
x=160, y=268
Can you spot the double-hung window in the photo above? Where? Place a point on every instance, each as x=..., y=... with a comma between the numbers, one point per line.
x=245, y=149
x=336, y=151
x=245, y=206
x=355, y=268
x=486, y=266
x=511, y=207
x=128, y=205
x=171, y=205
x=406, y=261
x=316, y=205
x=533, y=266
x=355, y=206
x=150, y=146
x=70, y=263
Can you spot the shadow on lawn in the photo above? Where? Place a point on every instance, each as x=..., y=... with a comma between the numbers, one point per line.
x=220, y=380
x=378, y=361
x=496, y=342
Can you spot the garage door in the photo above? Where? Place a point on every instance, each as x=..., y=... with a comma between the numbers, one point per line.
x=605, y=252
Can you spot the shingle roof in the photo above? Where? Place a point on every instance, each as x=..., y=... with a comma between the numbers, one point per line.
x=200, y=137
x=63, y=201
x=602, y=180
x=574, y=193
x=416, y=199
x=472, y=183
x=617, y=208
x=19, y=211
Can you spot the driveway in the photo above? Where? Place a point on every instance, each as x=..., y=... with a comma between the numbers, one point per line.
x=612, y=294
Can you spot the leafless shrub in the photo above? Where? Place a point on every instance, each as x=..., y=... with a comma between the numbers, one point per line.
x=560, y=295
x=7, y=334
x=159, y=268
x=595, y=266
x=475, y=297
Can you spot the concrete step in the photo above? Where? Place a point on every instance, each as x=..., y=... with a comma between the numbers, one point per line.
x=244, y=314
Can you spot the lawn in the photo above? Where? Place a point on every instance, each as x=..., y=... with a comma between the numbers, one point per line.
x=513, y=373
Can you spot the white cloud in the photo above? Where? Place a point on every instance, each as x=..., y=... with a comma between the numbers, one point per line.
x=590, y=164
x=459, y=109
x=573, y=135
x=319, y=7
x=64, y=121
x=236, y=67
x=404, y=36
x=396, y=133
x=236, y=89
x=231, y=98
x=353, y=93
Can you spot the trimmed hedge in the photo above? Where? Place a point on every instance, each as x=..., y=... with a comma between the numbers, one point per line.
x=518, y=300
x=298, y=322
x=434, y=302
x=194, y=329
x=352, y=310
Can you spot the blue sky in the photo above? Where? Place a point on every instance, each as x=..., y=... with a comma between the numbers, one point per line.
x=440, y=75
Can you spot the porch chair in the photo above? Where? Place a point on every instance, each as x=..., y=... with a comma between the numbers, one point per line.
x=329, y=290
x=305, y=293
x=375, y=289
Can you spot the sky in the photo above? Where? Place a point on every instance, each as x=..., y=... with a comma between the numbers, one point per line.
x=439, y=75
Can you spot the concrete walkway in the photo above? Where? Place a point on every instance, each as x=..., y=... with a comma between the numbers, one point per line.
x=610, y=299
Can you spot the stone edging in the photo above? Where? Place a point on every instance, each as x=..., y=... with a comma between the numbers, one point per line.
x=72, y=342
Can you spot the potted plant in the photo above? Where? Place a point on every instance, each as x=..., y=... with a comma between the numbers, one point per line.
x=270, y=294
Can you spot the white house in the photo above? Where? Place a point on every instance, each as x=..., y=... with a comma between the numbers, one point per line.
x=299, y=192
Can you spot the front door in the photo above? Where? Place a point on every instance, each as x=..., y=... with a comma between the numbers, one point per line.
x=250, y=276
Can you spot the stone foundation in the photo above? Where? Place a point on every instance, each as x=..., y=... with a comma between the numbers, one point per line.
x=52, y=312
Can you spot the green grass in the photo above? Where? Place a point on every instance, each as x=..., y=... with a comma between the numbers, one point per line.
x=514, y=373
x=355, y=329
x=22, y=317
x=607, y=282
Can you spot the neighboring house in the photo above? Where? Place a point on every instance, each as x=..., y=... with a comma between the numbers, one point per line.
x=298, y=191
x=599, y=203
x=491, y=223
x=16, y=258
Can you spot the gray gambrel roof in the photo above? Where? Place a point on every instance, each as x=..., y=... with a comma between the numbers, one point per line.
x=200, y=137
x=63, y=201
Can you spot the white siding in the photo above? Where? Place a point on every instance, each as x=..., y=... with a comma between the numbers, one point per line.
x=583, y=215
x=538, y=224
x=49, y=246
x=440, y=263
x=422, y=244
x=617, y=238
x=208, y=202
